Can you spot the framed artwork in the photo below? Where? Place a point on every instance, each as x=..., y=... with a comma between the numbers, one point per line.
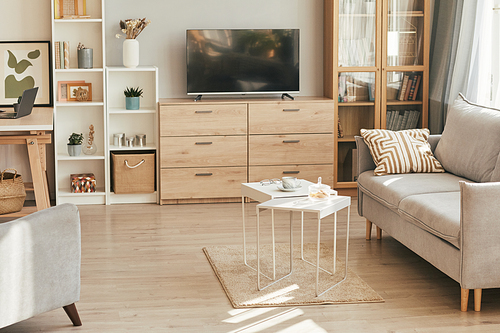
x=75, y=92
x=25, y=65
x=62, y=89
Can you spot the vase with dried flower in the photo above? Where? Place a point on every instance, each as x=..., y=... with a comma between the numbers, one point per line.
x=89, y=148
x=132, y=28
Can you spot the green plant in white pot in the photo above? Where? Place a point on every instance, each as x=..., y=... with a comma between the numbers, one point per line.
x=132, y=101
x=75, y=144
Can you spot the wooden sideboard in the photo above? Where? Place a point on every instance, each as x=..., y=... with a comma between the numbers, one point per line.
x=209, y=147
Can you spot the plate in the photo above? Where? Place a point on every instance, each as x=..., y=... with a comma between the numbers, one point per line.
x=281, y=188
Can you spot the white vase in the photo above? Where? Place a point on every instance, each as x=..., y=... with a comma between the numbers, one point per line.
x=130, y=53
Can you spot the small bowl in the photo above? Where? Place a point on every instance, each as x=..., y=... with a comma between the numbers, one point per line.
x=319, y=192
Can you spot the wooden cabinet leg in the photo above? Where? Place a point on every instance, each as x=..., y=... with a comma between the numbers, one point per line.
x=368, y=230
x=72, y=313
x=477, y=299
x=379, y=233
x=464, y=300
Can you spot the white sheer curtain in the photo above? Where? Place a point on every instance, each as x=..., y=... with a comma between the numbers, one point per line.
x=484, y=72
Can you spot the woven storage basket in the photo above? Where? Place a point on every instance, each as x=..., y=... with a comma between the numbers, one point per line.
x=12, y=192
x=133, y=173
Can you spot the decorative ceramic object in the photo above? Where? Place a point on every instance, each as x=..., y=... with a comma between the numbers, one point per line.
x=85, y=57
x=130, y=53
x=89, y=148
x=74, y=150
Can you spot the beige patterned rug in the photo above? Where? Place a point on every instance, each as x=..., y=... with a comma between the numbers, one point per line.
x=240, y=282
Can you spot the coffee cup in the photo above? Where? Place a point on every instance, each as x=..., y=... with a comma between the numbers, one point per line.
x=290, y=182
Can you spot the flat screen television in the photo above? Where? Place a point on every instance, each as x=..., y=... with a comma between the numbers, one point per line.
x=242, y=61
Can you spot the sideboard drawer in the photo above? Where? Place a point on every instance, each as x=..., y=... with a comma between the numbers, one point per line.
x=291, y=149
x=307, y=172
x=291, y=117
x=192, y=183
x=203, y=151
x=205, y=119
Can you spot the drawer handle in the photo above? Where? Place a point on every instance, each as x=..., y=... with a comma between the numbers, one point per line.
x=291, y=141
x=207, y=111
x=204, y=174
x=203, y=143
x=291, y=172
x=291, y=110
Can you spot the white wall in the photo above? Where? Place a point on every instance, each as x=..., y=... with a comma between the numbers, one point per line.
x=162, y=43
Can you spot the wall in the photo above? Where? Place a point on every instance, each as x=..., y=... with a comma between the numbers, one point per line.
x=162, y=43
x=25, y=20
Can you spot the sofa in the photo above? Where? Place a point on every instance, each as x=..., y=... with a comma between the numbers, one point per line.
x=451, y=219
x=40, y=264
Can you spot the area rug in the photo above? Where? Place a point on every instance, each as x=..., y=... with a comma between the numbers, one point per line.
x=240, y=282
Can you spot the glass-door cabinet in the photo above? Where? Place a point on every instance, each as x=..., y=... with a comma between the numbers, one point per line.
x=376, y=56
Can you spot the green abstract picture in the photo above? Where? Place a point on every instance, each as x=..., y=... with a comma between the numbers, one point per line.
x=25, y=65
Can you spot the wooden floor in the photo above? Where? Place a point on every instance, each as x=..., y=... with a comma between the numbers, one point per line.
x=143, y=270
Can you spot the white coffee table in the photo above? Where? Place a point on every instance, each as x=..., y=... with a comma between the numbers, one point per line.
x=322, y=209
x=261, y=193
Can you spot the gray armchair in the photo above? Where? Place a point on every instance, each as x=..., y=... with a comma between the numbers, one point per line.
x=40, y=264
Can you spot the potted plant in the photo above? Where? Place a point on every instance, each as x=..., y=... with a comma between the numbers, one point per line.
x=75, y=144
x=132, y=96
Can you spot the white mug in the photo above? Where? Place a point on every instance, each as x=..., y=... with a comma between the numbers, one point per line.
x=290, y=182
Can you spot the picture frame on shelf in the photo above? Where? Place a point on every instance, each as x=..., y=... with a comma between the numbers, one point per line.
x=73, y=89
x=62, y=89
x=25, y=65
x=70, y=9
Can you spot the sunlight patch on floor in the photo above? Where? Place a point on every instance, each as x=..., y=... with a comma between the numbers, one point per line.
x=270, y=321
x=246, y=314
x=279, y=294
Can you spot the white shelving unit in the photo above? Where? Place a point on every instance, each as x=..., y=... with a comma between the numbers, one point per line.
x=76, y=117
x=131, y=122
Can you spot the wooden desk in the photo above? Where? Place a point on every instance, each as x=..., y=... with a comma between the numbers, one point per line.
x=31, y=131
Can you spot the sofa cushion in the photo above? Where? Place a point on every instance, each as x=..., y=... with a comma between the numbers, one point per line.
x=401, y=152
x=438, y=213
x=391, y=189
x=470, y=144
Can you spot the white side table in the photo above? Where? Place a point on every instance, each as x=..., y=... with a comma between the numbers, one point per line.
x=261, y=193
x=322, y=209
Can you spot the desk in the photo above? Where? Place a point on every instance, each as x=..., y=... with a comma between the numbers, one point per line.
x=31, y=131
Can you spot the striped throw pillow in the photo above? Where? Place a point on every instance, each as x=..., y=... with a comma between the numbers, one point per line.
x=401, y=152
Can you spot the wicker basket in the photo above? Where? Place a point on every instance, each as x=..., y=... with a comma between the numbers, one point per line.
x=12, y=192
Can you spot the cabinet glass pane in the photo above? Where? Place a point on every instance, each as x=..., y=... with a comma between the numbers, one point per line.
x=357, y=27
x=405, y=33
x=404, y=87
x=356, y=87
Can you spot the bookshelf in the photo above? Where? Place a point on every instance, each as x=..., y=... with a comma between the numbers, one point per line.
x=369, y=49
x=75, y=116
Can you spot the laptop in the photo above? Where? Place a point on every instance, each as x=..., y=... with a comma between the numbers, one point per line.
x=24, y=107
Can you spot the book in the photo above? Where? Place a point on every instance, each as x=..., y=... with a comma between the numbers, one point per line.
x=66, y=55
x=58, y=55
x=398, y=122
x=392, y=126
x=404, y=123
x=416, y=88
x=409, y=86
x=414, y=119
x=402, y=90
x=388, y=116
x=412, y=88
x=61, y=54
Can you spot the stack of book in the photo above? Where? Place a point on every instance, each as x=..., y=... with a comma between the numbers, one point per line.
x=409, y=87
x=398, y=121
x=62, y=55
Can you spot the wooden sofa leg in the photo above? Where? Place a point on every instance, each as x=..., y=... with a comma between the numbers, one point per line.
x=379, y=233
x=477, y=299
x=368, y=230
x=465, y=300
x=72, y=313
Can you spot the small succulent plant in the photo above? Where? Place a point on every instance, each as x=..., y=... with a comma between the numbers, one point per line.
x=75, y=139
x=133, y=92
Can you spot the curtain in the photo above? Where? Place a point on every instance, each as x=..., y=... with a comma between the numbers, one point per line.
x=452, y=39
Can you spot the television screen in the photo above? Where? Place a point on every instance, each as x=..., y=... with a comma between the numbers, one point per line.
x=241, y=61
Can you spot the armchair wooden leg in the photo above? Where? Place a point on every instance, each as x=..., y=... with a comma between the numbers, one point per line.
x=465, y=299
x=72, y=313
x=379, y=233
x=477, y=299
x=368, y=230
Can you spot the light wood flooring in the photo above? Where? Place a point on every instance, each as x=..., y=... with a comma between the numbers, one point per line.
x=143, y=270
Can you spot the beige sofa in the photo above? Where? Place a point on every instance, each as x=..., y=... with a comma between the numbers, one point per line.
x=450, y=219
x=40, y=264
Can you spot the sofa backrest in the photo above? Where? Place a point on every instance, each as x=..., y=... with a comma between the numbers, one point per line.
x=470, y=143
